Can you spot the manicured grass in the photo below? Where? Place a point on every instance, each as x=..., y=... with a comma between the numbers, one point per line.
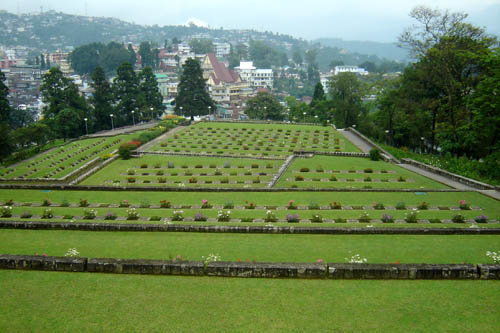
x=254, y=139
x=173, y=171
x=270, y=247
x=350, y=172
x=61, y=161
x=48, y=301
x=490, y=207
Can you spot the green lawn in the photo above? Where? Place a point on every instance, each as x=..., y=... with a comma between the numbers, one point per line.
x=268, y=247
x=48, y=301
x=254, y=139
x=153, y=170
x=351, y=172
x=61, y=161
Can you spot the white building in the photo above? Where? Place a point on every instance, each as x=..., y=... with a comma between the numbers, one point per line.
x=258, y=78
x=350, y=69
x=222, y=49
x=325, y=81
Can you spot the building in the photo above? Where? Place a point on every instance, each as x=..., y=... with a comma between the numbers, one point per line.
x=225, y=86
x=325, y=81
x=257, y=78
x=350, y=69
x=24, y=85
x=222, y=49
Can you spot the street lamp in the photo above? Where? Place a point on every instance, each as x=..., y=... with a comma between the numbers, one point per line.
x=209, y=110
x=112, y=125
x=182, y=114
x=386, y=136
x=133, y=117
x=316, y=116
x=422, y=146
x=151, y=113
x=304, y=116
x=86, y=127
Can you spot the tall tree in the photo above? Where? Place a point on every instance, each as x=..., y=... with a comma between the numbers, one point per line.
x=264, y=106
x=101, y=101
x=147, y=57
x=192, y=95
x=151, y=96
x=345, y=90
x=5, y=143
x=126, y=95
x=202, y=45
x=319, y=94
x=132, y=56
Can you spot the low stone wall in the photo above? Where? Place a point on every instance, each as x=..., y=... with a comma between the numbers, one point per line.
x=60, y=187
x=331, y=153
x=140, y=153
x=252, y=269
x=385, y=154
x=42, y=225
x=144, y=266
x=461, y=179
x=281, y=170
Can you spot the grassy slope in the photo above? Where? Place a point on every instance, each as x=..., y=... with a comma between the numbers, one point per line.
x=274, y=248
x=45, y=301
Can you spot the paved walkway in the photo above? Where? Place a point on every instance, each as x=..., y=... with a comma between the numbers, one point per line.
x=356, y=140
x=365, y=147
x=441, y=179
x=123, y=130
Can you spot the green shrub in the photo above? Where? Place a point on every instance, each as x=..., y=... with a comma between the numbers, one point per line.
x=375, y=155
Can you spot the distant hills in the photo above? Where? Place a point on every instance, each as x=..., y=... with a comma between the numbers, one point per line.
x=389, y=51
x=53, y=31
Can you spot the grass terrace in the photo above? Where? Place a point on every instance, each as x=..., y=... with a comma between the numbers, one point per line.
x=351, y=172
x=61, y=161
x=183, y=171
x=48, y=301
x=432, y=209
x=246, y=139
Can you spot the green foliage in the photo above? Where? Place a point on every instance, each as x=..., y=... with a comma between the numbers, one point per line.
x=264, y=56
x=125, y=150
x=193, y=96
x=86, y=58
x=101, y=100
x=346, y=92
x=375, y=154
x=264, y=106
x=202, y=45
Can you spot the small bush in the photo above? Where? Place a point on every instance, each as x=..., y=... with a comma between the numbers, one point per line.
x=26, y=215
x=375, y=155
x=270, y=216
x=47, y=214
x=333, y=178
x=144, y=166
x=131, y=179
x=423, y=206
x=250, y=205
x=178, y=215
x=165, y=204
x=68, y=217
x=223, y=216
x=368, y=170
x=386, y=218
x=411, y=217
x=46, y=202
x=401, y=179
x=291, y=205
x=459, y=218
x=378, y=205
x=64, y=203
x=144, y=203
x=481, y=218
x=335, y=205
x=299, y=178
x=304, y=169
x=110, y=216
x=292, y=218
x=316, y=218
x=162, y=180
x=435, y=220
x=340, y=220
x=84, y=203
x=89, y=214
x=6, y=211
x=314, y=205
x=155, y=218
x=364, y=218
x=132, y=214
x=228, y=205
x=199, y=217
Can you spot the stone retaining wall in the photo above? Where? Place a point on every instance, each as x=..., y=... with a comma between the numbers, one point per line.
x=332, y=153
x=140, y=153
x=61, y=187
x=385, y=154
x=129, y=227
x=253, y=269
x=461, y=179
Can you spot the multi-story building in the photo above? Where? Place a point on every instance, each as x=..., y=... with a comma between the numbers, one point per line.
x=225, y=86
x=222, y=49
x=351, y=69
x=258, y=78
x=24, y=85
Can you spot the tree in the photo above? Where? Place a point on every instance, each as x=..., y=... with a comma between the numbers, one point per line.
x=147, y=55
x=42, y=62
x=202, y=45
x=127, y=97
x=21, y=117
x=133, y=57
x=101, y=101
x=85, y=59
x=319, y=94
x=150, y=94
x=112, y=56
x=345, y=90
x=68, y=123
x=264, y=106
x=193, y=98
x=297, y=58
x=5, y=110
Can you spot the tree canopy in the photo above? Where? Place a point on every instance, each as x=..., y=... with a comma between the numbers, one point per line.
x=264, y=106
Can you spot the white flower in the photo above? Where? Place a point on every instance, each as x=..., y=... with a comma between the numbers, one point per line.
x=72, y=252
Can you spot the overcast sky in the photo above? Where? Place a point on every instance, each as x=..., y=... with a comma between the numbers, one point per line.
x=375, y=20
